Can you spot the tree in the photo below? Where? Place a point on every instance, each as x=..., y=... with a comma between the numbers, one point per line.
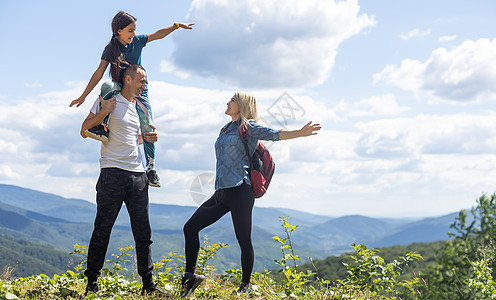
x=472, y=233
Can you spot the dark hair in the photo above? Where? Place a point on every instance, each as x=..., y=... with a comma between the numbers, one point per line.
x=131, y=70
x=116, y=59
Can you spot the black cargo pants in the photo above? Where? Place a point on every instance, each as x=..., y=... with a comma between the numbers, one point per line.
x=114, y=187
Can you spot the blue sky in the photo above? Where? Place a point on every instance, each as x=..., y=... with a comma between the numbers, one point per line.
x=404, y=90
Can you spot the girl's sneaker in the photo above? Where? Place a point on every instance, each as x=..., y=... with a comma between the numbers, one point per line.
x=99, y=132
x=153, y=179
x=109, y=89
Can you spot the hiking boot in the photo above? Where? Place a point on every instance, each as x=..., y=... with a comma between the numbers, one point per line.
x=153, y=179
x=189, y=285
x=154, y=290
x=109, y=89
x=99, y=133
x=92, y=287
x=244, y=288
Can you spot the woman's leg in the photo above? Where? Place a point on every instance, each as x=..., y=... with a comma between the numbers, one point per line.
x=207, y=214
x=241, y=201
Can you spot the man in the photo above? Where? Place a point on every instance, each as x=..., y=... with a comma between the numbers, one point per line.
x=122, y=179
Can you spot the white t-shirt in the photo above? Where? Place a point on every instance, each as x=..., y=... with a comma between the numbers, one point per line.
x=122, y=150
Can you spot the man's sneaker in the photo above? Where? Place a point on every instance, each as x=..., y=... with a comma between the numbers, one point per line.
x=153, y=179
x=99, y=133
x=154, y=290
x=189, y=285
x=244, y=288
x=109, y=89
x=92, y=287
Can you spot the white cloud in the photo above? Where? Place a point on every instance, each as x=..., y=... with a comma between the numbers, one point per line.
x=465, y=73
x=447, y=38
x=462, y=134
x=414, y=33
x=377, y=106
x=6, y=173
x=380, y=160
x=169, y=67
x=258, y=43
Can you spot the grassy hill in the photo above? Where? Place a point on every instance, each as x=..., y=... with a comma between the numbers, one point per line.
x=21, y=257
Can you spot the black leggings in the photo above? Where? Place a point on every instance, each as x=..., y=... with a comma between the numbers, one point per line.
x=239, y=201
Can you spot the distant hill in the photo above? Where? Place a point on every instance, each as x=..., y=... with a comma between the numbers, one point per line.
x=62, y=222
x=73, y=210
x=425, y=230
x=26, y=258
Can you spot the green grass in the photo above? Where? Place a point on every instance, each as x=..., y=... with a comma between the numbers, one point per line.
x=71, y=286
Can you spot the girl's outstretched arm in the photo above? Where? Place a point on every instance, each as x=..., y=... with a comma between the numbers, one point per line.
x=160, y=34
x=307, y=130
x=95, y=78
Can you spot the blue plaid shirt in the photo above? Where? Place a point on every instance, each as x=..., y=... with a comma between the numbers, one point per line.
x=232, y=163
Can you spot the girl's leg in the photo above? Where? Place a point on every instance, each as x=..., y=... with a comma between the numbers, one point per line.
x=100, y=132
x=241, y=201
x=207, y=214
x=145, y=115
x=108, y=90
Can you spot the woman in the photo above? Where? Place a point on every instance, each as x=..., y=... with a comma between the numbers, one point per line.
x=233, y=192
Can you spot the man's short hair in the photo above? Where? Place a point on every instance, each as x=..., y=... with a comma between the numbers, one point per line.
x=131, y=70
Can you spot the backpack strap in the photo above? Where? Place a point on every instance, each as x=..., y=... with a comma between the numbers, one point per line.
x=243, y=133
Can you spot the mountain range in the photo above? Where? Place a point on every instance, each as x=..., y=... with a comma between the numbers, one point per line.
x=36, y=218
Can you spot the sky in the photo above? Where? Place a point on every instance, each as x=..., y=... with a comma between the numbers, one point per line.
x=404, y=90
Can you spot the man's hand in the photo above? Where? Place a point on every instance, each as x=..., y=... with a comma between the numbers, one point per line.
x=108, y=105
x=152, y=136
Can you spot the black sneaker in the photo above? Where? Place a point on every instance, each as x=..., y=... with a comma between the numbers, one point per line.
x=154, y=290
x=99, y=133
x=189, y=285
x=153, y=179
x=244, y=288
x=92, y=287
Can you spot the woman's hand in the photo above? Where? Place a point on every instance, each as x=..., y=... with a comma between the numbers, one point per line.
x=309, y=129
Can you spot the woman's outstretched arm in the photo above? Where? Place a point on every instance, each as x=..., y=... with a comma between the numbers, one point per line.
x=307, y=130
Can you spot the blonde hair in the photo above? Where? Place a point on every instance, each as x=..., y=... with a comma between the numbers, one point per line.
x=247, y=107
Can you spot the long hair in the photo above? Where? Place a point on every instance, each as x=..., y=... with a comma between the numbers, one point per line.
x=247, y=107
x=117, y=63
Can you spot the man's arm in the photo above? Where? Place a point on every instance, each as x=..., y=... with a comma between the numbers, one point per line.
x=93, y=120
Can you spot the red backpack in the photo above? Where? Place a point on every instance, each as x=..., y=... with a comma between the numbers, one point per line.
x=262, y=166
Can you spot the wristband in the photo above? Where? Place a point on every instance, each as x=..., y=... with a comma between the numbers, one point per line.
x=177, y=25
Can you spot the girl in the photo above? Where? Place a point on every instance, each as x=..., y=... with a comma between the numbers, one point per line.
x=233, y=192
x=125, y=48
